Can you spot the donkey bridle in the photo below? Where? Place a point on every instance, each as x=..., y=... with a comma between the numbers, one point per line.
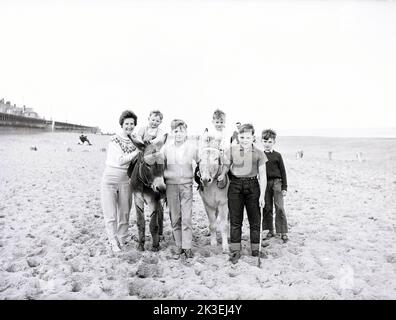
x=217, y=173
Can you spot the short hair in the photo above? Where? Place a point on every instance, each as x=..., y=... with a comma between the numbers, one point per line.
x=127, y=114
x=218, y=114
x=268, y=134
x=178, y=123
x=156, y=113
x=247, y=127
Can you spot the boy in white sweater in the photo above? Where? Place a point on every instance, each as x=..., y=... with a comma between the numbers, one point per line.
x=179, y=156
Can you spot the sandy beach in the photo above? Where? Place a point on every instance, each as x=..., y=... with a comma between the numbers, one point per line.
x=341, y=214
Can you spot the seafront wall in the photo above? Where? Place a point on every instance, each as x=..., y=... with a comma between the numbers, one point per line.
x=12, y=123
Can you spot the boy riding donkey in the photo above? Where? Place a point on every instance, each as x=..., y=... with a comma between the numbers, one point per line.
x=212, y=191
x=151, y=134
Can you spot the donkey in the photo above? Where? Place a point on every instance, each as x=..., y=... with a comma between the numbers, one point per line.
x=213, y=193
x=148, y=187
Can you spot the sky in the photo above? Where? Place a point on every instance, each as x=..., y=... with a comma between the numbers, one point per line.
x=295, y=66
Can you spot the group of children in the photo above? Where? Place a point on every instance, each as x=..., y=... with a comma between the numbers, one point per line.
x=257, y=180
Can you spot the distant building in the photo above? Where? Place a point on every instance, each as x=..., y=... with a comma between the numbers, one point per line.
x=6, y=107
x=29, y=112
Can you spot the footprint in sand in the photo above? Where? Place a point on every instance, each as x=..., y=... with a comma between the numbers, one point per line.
x=15, y=267
x=390, y=258
x=131, y=257
x=295, y=250
x=4, y=285
x=33, y=262
x=76, y=287
x=147, y=270
x=205, y=252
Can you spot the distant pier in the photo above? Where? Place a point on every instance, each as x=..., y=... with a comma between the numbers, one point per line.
x=11, y=122
x=25, y=119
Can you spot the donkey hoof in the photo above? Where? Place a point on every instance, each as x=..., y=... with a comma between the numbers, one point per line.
x=155, y=248
x=140, y=247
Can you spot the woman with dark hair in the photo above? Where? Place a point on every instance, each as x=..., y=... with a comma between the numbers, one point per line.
x=116, y=193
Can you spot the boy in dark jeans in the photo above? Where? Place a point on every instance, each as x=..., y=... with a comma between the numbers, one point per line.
x=245, y=163
x=276, y=188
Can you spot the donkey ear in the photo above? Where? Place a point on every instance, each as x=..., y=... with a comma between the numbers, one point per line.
x=137, y=142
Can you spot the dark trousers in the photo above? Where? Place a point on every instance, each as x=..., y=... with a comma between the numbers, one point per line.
x=244, y=194
x=274, y=196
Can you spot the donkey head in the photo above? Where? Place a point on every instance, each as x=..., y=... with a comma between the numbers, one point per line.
x=151, y=164
x=209, y=164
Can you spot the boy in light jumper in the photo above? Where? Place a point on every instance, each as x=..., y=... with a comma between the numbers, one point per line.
x=179, y=157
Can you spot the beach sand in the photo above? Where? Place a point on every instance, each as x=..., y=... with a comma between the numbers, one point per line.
x=341, y=215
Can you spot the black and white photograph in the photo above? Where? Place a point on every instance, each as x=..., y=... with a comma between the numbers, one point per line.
x=197, y=150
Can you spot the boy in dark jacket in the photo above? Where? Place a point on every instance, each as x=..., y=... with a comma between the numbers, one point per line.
x=276, y=188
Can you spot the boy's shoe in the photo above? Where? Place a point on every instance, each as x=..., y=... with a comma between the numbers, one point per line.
x=235, y=256
x=140, y=246
x=189, y=254
x=114, y=246
x=284, y=238
x=256, y=253
x=122, y=244
x=178, y=254
x=269, y=235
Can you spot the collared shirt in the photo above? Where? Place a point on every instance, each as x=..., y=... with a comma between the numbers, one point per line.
x=245, y=163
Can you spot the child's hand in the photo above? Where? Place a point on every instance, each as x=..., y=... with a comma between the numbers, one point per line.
x=221, y=177
x=284, y=193
x=261, y=201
